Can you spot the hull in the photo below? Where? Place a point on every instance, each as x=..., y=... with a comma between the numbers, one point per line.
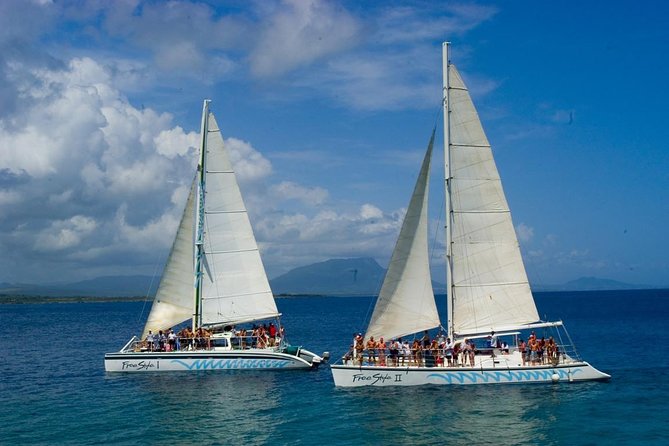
x=209, y=360
x=358, y=376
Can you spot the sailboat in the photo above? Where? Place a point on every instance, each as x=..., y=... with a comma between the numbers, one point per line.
x=493, y=332
x=214, y=278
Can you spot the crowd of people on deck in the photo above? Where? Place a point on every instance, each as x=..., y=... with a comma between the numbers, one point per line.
x=442, y=351
x=258, y=336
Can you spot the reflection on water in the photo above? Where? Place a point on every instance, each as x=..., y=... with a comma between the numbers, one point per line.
x=222, y=407
x=511, y=414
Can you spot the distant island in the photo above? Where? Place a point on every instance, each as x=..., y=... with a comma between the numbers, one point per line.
x=335, y=277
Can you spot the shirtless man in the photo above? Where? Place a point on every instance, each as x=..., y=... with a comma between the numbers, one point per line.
x=371, y=347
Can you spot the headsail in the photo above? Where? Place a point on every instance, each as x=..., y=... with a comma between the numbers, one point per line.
x=173, y=303
x=235, y=288
x=490, y=286
x=406, y=302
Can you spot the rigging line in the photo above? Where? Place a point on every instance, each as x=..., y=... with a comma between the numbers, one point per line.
x=153, y=277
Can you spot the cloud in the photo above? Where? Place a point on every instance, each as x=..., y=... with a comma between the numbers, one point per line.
x=525, y=233
x=95, y=181
x=249, y=164
x=65, y=233
x=81, y=155
x=298, y=32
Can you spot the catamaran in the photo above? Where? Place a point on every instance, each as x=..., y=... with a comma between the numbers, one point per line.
x=215, y=278
x=490, y=307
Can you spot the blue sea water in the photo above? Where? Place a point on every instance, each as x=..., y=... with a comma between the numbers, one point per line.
x=53, y=388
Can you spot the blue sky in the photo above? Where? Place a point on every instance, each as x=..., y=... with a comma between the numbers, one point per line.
x=327, y=107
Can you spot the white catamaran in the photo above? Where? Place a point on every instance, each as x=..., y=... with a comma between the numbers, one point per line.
x=489, y=301
x=215, y=276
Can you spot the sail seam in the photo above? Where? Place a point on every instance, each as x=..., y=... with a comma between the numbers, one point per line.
x=232, y=251
x=220, y=171
x=480, y=146
x=489, y=284
x=241, y=211
x=501, y=211
x=235, y=295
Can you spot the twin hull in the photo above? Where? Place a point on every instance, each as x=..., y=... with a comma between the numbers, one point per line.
x=209, y=360
x=357, y=376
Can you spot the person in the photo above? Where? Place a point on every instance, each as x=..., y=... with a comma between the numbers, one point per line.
x=551, y=350
x=394, y=352
x=161, y=341
x=171, y=340
x=271, y=331
x=522, y=348
x=493, y=342
x=449, y=350
x=371, y=346
x=406, y=353
x=417, y=353
x=541, y=346
x=149, y=341
x=472, y=352
x=358, y=346
x=349, y=355
x=425, y=341
x=434, y=354
x=533, y=346
x=468, y=352
x=381, y=349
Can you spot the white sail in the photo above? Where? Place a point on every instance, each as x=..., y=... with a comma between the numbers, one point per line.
x=173, y=303
x=490, y=286
x=235, y=288
x=406, y=302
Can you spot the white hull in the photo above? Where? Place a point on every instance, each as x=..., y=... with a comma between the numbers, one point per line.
x=500, y=370
x=252, y=359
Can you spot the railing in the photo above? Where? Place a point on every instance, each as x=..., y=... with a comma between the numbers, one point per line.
x=487, y=356
x=201, y=343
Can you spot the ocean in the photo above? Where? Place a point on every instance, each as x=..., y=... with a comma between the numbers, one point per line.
x=54, y=389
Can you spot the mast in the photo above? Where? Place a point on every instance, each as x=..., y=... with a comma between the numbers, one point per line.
x=447, y=187
x=199, y=217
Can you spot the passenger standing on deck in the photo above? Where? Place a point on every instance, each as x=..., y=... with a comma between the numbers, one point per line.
x=406, y=353
x=381, y=348
x=522, y=348
x=371, y=346
x=394, y=352
x=358, y=347
x=149, y=341
x=450, y=350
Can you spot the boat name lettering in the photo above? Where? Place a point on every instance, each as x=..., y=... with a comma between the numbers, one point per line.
x=375, y=378
x=139, y=366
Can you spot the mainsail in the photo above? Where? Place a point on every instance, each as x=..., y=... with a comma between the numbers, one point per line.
x=406, y=302
x=490, y=287
x=235, y=288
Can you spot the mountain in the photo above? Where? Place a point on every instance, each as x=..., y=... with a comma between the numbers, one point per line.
x=334, y=277
x=360, y=276
x=591, y=284
x=107, y=286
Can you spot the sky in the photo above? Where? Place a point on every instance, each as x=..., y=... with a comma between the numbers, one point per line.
x=326, y=108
